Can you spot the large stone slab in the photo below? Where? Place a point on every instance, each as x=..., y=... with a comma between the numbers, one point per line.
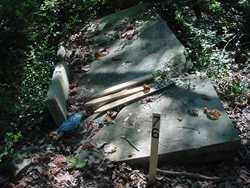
x=154, y=47
x=186, y=132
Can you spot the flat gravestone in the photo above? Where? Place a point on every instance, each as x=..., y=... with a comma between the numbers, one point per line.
x=152, y=46
x=186, y=133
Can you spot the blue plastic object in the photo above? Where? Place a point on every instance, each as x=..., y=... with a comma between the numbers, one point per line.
x=70, y=124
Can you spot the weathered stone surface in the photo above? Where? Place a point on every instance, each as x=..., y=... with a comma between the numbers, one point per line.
x=186, y=132
x=182, y=132
x=153, y=47
x=60, y=74
x=56, y=102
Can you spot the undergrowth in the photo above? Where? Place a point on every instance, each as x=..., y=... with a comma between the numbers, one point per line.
x=214, y=34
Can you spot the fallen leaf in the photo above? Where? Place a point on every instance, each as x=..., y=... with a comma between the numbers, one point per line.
x=65, y=178
x=59, y=160
x=248, y=98
x=21, y=185
x=212, y=114
x=146, y=88
x=53, y=171
x=101, y=53
x=119, y=185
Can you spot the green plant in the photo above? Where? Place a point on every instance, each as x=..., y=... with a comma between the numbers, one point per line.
x=34, y=85
x=236, y=88
x=75, y=162
x=214, y=6
x=10, y=139
x=179, y=17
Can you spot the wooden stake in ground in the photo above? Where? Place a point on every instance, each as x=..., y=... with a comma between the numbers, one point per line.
x=153, y=162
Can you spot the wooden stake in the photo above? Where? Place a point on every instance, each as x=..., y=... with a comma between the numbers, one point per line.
x=131, y=98
x=125, y=85
x=155, y=133
x=113, y=97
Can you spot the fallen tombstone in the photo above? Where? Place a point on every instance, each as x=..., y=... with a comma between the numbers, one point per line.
x=183, y=135
x=138, y=43
x=153, y=47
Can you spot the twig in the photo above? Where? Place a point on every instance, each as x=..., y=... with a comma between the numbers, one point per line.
x=188, y=174
x=130, y=143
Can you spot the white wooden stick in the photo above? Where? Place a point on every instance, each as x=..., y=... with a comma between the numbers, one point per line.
x=114, y=96
x=153, y=162
x=125, y=85
x=131, y=98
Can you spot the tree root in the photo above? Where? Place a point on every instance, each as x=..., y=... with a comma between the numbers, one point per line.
x=189, y=175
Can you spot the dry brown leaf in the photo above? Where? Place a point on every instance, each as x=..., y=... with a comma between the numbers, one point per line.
x=53, y=171
x=212, y=114
x=146, y=88
x=101, y=53
x=119, y=185
x=248, y=98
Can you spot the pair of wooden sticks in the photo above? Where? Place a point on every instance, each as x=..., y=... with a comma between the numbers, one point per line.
x=122, y=94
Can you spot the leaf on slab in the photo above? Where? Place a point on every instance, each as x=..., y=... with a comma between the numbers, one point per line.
x=101, y=53
x=146, y=88
x=212, y=114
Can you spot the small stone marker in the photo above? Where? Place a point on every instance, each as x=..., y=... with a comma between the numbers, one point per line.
x=56, y=102
x=153, y=163
x=60, y=73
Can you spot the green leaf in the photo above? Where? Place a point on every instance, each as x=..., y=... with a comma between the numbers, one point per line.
x=75, y=162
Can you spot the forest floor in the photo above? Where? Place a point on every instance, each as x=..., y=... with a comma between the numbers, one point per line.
x=52, y=163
